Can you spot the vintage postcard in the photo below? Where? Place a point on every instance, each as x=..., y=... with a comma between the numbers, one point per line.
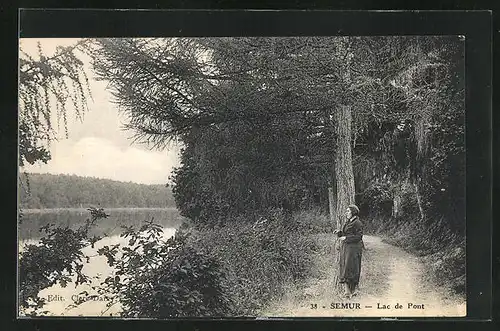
x=242, y=176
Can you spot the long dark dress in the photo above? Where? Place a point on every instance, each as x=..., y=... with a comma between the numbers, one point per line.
x=350, y=251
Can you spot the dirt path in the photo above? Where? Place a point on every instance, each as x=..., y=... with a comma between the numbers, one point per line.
x=389, y=276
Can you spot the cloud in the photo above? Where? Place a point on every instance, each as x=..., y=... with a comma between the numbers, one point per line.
x=97, y=146
x=98, y=157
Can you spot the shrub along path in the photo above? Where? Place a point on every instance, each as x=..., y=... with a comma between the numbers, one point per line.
x=389, y=276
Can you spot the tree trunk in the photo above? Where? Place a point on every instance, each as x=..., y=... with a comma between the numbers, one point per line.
x=419, y=200
x=331, y=204
x=396, y=206
x=343, y=173
x=343, y=163
x=342, y=122
x=332, y=197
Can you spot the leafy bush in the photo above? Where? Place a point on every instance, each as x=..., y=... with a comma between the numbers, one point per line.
x=227, y=170
x=163, y=279
x=55, y=259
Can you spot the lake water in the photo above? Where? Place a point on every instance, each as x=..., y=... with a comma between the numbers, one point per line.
x=34, y=219
x=97, y=267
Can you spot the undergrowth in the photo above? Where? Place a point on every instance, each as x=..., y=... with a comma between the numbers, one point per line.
x=232, y=269
x=258, y=258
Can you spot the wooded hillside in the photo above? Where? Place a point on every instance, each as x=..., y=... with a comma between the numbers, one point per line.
x=65, y=191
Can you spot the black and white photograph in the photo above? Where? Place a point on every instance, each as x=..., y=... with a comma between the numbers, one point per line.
x=290, y=176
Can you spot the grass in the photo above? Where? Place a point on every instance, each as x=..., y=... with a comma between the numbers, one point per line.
x=259, y=259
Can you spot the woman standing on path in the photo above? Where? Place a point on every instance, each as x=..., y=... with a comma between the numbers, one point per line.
x=351, y=248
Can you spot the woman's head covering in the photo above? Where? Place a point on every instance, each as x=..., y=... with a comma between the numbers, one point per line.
x=354, y=210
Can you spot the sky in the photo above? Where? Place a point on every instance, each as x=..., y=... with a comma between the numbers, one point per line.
x=98, y=146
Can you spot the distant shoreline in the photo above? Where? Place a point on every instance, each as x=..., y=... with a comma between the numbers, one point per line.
x=59, y=191
x=73, y=209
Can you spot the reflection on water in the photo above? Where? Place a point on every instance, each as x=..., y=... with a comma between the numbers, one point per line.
x=59, y=299
x=34, y=219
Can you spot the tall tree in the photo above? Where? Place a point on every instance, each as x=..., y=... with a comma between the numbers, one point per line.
x=239, y=87
x=48, y=84
x=343, y=133
x=225, y=89
x=170, y=87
